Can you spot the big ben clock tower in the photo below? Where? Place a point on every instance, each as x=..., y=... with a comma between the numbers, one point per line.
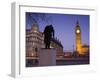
x=78, y=39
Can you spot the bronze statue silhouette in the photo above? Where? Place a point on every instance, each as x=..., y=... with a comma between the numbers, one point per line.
x=48, y=35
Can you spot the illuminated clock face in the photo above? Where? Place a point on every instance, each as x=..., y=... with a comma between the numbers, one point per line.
x=78, y=31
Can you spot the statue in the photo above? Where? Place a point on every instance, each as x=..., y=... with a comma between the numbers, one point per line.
x=48, y=35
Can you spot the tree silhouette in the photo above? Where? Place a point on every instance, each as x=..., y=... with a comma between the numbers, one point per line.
x=34, y=18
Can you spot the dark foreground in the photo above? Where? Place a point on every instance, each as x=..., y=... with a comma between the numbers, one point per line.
x=64, y=61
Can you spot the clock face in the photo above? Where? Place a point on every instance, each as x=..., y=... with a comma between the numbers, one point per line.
x=78, y=31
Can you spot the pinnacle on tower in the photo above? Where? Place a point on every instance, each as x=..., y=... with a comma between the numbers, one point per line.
x=77, y=22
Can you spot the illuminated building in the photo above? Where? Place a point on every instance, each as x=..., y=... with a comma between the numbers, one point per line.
x=85, y=49
x=34, y=40
x=78, y=38
x=81, y=49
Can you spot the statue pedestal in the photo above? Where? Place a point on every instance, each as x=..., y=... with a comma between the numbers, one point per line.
x=47, y=57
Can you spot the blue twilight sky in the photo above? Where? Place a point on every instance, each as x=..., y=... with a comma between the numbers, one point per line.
x=64, y=25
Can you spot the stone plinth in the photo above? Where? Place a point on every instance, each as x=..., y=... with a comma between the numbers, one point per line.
x=47, y=57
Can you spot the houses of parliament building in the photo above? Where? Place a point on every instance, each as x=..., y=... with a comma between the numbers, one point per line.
x=80, y=48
